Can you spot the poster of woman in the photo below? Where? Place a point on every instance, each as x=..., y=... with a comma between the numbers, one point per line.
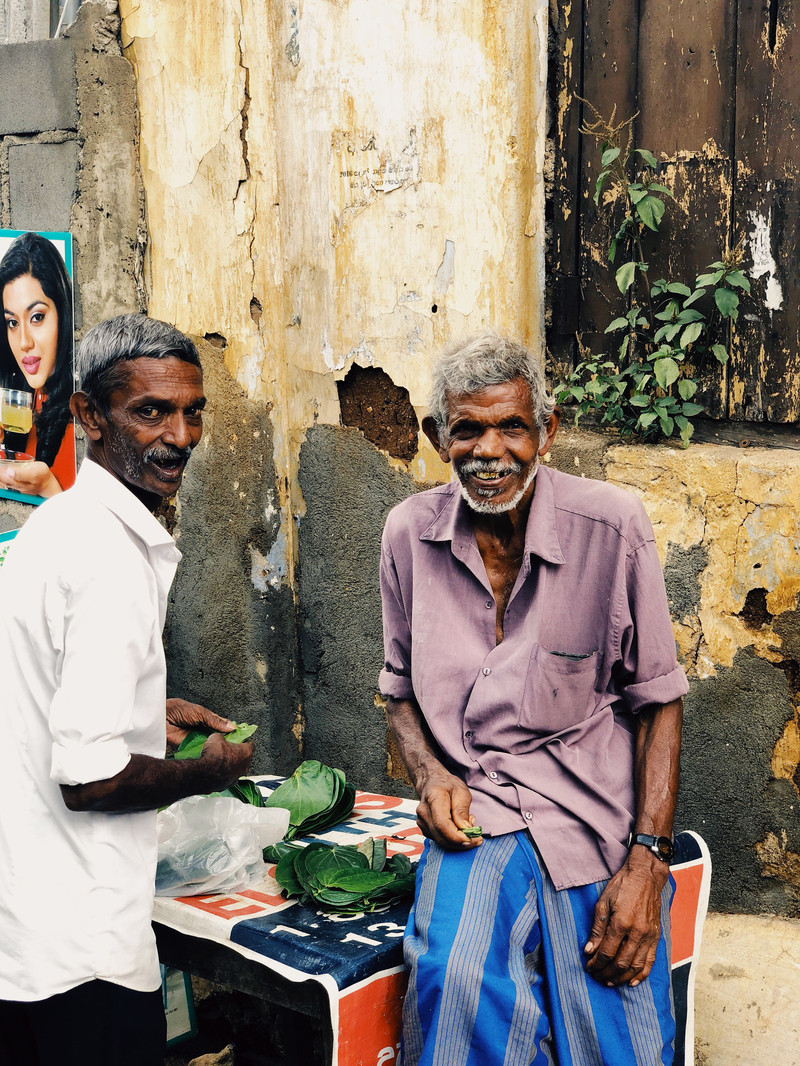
x=37, y=446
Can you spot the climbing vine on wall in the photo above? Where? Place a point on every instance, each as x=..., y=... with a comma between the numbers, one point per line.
x=647, y=384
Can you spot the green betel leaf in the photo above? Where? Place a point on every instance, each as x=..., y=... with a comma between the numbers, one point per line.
x=690, y=334
x=647, y=418
x=648, y=157
x=651, y=210
x=691, y=409
x=638, y=400
x=609, y=156
x=625, y=276
x=307, y=792
x=667, y=371
x=679, y=288
x=720, y=353
x=192, y=744
x=687, y=388
x=727, y=302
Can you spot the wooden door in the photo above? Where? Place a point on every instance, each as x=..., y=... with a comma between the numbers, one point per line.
x=717, y=91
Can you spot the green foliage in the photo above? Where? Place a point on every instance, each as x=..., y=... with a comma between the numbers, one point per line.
x=192, y=744
x=317, y=796
x=647, y=385
x=342, y=878
x=191, y=747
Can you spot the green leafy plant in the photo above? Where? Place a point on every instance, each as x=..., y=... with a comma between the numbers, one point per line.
x=647, y=385
x=317, y=796
x=344, y=878
x=191, y=747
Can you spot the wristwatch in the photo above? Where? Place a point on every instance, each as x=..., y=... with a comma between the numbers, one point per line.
x=661, y=847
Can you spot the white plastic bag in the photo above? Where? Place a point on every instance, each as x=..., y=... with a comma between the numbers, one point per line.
x=213, y=844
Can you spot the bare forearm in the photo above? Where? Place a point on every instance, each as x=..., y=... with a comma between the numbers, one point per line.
x=418, y=749
x=444, y=799
x=657, y=768
x=147, y=783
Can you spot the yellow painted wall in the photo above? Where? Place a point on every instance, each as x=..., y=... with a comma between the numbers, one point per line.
x=320, y=176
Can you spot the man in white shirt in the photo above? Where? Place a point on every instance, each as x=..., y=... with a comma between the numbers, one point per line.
x=83, y=596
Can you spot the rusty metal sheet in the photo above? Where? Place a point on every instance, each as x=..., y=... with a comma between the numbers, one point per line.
x=765, y=378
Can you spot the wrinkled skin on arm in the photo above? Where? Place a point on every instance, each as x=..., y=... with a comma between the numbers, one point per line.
x=627, y=920
x=147, y=783
x=444, y=799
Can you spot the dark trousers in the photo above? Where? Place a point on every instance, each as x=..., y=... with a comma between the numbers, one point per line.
x=95, y=1024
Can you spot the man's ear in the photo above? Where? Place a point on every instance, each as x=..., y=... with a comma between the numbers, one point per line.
x=551, y=428
x=86, y=415
x=431, y=431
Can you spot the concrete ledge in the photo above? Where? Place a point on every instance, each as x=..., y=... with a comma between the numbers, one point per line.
x=39, y=87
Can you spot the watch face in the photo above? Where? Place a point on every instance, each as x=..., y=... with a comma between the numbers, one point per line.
x=665, y=849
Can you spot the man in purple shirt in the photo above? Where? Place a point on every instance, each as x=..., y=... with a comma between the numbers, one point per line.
x=533, y=691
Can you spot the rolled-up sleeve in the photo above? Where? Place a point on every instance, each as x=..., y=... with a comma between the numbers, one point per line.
x=105, y=632
x=395, y=677
x=648, y=671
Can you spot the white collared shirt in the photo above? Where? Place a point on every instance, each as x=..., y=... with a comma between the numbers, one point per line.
x=83, y=596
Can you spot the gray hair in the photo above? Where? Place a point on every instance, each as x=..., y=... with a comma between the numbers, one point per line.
x=483, y=360
x=107, y=346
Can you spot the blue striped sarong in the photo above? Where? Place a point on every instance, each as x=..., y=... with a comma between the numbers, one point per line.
x=497, y=974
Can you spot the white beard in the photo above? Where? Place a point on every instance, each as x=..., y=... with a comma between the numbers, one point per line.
x=487, y=506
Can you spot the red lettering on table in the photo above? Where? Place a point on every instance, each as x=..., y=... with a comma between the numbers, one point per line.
x=221, y=906
x=373, y=802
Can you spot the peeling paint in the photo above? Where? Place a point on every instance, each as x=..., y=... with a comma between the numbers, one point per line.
x=763, y=259
x=744, y=511
x=268, y=571
x=778, y=860
x=446, y=273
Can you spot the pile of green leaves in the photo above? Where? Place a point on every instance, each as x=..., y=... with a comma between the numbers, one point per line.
x=647, y=387
x=192, y=745
x=317, y=796
x=344, y=878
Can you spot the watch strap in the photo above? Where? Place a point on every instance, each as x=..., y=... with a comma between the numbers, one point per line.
x=661, y=847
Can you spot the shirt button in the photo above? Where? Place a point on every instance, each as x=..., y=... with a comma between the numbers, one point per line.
x=489, y=605
x=493, y=775
x=528, y=815
x=486, y=671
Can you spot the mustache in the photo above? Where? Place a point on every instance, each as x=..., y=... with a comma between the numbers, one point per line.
x=489, y=466
x=166, y=453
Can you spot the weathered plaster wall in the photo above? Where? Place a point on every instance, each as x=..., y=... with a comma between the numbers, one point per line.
x=231, y=627
x=333, y=186
x=726, y=522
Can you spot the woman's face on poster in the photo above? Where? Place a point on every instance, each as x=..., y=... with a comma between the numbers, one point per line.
x=31, y=321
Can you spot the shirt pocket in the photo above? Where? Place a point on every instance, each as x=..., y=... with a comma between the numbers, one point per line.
x=559, y=690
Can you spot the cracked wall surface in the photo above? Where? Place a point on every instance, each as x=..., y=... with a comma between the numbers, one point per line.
x=726, y=522
x=329, y=187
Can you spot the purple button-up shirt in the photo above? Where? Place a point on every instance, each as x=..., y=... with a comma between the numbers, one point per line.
x=539, y=727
